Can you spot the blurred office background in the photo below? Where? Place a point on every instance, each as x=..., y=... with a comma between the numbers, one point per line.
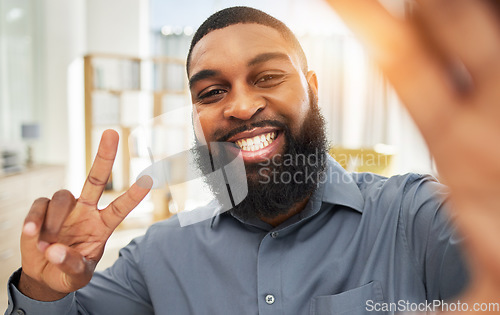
x=130, y=53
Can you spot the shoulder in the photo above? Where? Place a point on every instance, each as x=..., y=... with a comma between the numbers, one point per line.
x=399, y=187
x=407, y=197
x=371, y=181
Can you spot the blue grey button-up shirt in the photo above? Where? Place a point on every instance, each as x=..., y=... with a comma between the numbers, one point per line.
x=362, y=240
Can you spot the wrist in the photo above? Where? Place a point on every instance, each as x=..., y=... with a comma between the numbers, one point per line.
x=37, y=290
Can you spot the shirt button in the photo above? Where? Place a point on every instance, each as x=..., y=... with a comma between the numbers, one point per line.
x=269, y=299
x=275, y=234
x=20, y=312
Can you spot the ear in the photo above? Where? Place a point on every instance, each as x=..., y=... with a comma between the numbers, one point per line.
x=312, y=80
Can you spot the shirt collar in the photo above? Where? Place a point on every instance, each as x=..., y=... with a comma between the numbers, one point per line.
x=337, y=187
x=340, y=187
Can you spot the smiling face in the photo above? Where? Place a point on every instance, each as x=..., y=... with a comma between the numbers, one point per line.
x=250, y=92
x=246, y=84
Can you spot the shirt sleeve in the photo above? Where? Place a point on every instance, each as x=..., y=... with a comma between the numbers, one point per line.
x=432, y=239
x=119, y=289
x=21, y=304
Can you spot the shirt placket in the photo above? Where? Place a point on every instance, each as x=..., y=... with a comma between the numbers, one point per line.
x=269, y=273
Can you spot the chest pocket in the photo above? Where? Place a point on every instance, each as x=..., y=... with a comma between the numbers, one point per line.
x=352, y=302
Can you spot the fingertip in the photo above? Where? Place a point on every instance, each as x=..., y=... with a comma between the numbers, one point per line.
x=42, y=246
x=145, y=182
x=109, y=144
x=30, y=229
x=67, y=259
x=56, y=254
x=110, y=133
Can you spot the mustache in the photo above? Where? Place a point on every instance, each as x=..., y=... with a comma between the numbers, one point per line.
x=223, y=135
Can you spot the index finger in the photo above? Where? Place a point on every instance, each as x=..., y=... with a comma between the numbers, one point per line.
x=101, y=168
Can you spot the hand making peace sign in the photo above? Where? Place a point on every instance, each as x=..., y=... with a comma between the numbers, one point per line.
x=63, y=238
x=446, y=70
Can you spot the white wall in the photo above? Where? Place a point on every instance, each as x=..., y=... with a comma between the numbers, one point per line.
x=114, y=26
x=70, y=30
x=63, y=41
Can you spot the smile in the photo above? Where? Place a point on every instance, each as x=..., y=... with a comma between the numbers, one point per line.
x=256, y=143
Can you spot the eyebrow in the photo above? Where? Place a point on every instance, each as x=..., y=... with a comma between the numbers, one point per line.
x=203, y=74
x=261, y=58
x=266, y=57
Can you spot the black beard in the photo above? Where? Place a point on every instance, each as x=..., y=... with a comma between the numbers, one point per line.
x=275, y=187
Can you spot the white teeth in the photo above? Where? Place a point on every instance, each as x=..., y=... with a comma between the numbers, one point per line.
x=257, y=142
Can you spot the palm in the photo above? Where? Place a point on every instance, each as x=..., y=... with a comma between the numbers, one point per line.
x=456, y=105
x=85, y=232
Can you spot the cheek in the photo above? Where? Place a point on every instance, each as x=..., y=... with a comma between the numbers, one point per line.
x=293, y=103
x=204, y=124
x=301, y=104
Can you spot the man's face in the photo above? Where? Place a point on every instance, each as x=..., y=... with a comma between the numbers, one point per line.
x=246, y=82
x=249, y=90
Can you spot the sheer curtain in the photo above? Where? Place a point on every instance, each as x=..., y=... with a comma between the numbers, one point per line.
x=361, y=108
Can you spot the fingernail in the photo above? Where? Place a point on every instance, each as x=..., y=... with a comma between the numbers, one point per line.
x=145, y=182
x=29, y=229
x=56, y=255
x=42, y=245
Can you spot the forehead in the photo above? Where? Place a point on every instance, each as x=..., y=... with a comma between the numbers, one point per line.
x=236, y=44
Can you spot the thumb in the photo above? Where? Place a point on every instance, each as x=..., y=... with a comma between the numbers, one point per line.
x=77, y=271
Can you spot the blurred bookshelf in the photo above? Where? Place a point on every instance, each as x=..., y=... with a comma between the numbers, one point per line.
x=121, y=93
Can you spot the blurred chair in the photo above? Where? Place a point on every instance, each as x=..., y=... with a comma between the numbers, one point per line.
x=378, y=159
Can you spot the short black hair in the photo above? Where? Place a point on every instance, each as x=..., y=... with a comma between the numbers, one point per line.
x=245, y=15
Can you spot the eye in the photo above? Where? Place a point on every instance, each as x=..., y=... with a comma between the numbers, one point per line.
x=269, y=80
x=211, y=96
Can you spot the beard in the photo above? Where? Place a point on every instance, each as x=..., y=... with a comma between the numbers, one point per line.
x=278, y=184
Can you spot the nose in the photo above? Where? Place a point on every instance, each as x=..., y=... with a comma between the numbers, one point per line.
x=243, y=105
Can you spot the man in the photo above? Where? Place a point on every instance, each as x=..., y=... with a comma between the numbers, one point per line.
x=328, y=243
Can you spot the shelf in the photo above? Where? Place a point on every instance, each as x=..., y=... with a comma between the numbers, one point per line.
x=122, y=93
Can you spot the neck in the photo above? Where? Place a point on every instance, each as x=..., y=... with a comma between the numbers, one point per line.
x=296, y=208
